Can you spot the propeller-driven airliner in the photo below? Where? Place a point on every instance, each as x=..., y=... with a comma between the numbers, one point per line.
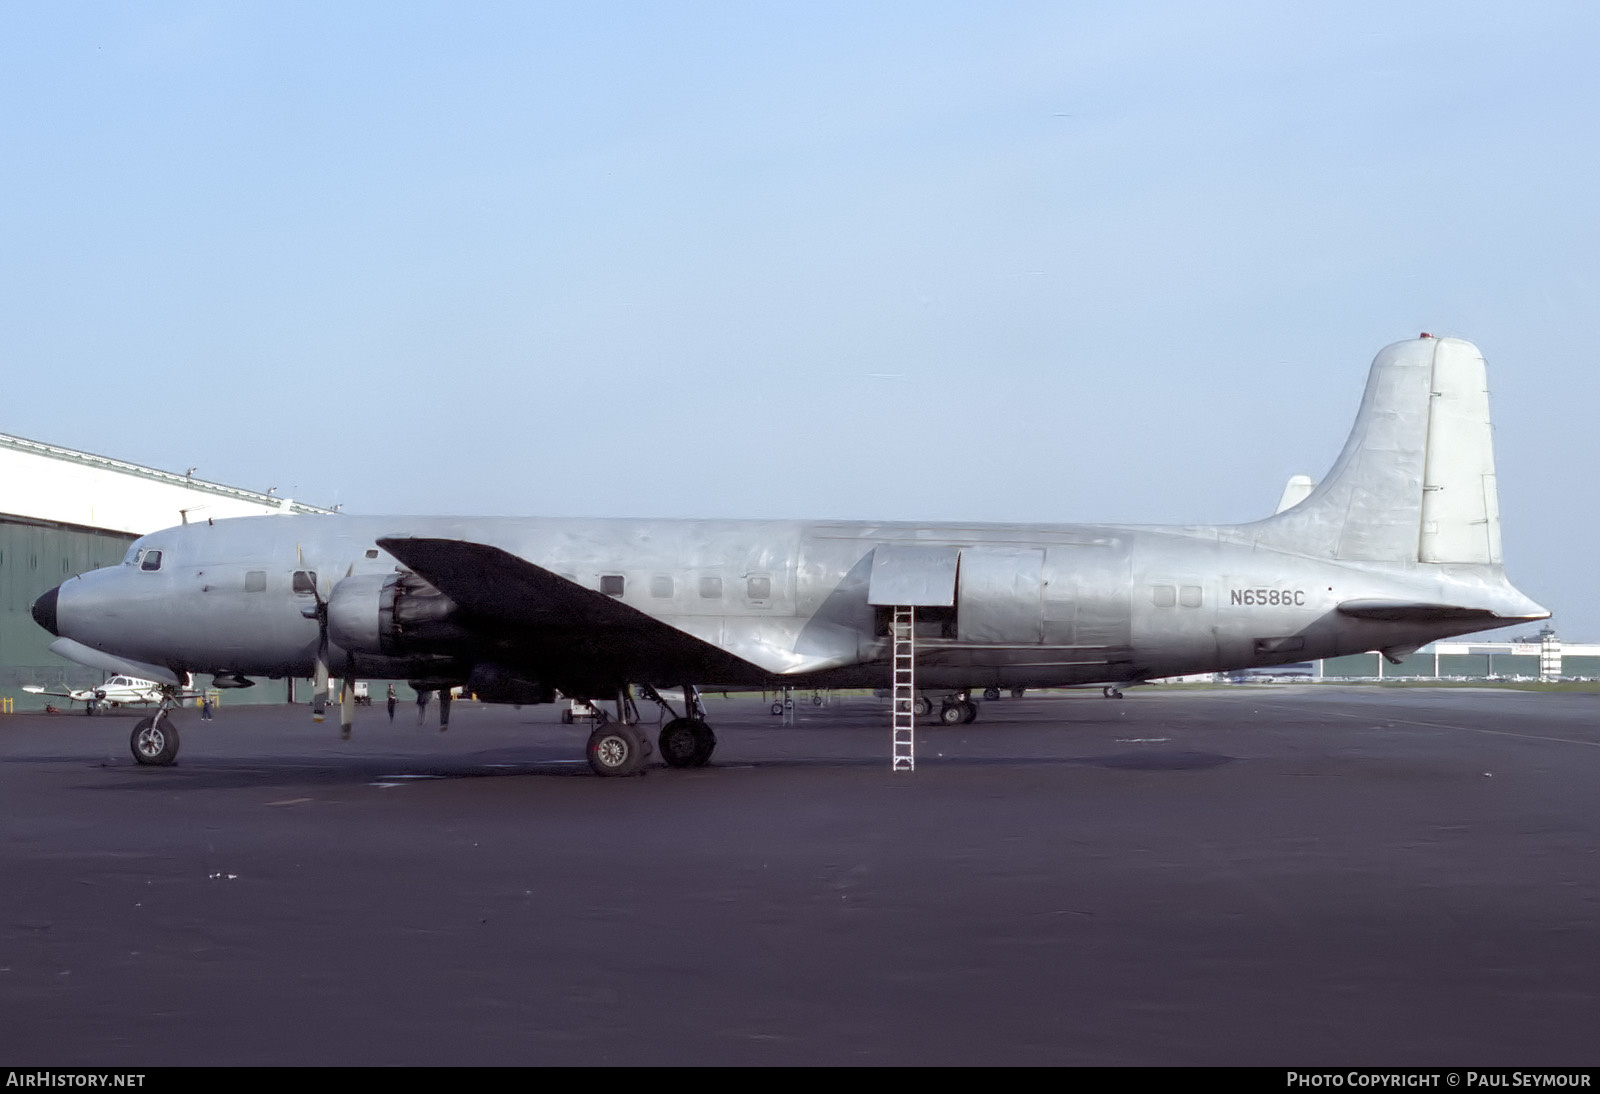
x=1398, y=545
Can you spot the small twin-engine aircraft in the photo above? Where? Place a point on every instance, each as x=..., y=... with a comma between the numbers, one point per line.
x=119, y=691
x=1397, y=546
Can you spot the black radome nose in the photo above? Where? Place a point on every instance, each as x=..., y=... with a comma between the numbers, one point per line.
x=44, y=610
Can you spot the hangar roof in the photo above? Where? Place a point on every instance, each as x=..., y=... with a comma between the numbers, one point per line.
x=43, y=482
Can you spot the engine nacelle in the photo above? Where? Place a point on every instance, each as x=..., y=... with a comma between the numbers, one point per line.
x=392, y=615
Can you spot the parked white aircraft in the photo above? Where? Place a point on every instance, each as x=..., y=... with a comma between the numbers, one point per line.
x=119, y=691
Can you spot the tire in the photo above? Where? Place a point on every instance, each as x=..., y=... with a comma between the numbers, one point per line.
x=969, y=713
x=922, y=706
x=687, y=742
x=777, y=708
x=677, y=743
x=953, y=714
x=616, y=750
x=153, y=744
x=1016, y=693
x=566, y=717
x=991, y=694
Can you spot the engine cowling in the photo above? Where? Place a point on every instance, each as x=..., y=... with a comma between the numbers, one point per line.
x=393, y=615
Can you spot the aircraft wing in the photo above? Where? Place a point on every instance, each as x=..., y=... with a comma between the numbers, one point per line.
x=99, y=659
x=577, y=633
x=35, y=689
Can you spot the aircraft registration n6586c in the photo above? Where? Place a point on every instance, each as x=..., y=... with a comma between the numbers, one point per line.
x=1397, y=546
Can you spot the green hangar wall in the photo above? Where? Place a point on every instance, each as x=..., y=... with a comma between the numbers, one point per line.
x=36, y=556
x=65, y=512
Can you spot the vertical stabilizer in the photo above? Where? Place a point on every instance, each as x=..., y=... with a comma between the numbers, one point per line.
x=1460, y=507
x=1415, y=481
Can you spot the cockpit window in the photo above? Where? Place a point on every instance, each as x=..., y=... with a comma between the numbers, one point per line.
x=149, y=560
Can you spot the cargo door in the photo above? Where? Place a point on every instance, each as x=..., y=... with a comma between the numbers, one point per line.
x=911, y=575
x=1000, y=595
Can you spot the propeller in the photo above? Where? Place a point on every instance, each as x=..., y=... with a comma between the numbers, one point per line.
x=319, y=676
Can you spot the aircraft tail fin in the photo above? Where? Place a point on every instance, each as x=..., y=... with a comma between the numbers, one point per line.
x=1415, y=481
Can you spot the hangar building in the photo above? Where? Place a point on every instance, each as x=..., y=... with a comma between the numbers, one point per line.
x=64, y=512
x=1544, y=657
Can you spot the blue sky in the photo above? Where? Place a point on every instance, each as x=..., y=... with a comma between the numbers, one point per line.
x=1088, y=261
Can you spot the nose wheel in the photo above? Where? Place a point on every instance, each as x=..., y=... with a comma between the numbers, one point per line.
x=155, y=741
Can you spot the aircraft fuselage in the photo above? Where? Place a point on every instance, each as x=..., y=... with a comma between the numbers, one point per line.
x=1033, y=605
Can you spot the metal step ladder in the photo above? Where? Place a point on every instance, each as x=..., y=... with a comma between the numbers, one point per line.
x=904, y=693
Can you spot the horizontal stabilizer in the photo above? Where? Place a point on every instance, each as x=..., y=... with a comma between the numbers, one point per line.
x=1407, y=611
x=555, y=617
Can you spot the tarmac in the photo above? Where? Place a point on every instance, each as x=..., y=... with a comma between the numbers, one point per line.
x=1290, y=876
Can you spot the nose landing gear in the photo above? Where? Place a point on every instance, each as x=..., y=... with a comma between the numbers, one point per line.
x=155, y=739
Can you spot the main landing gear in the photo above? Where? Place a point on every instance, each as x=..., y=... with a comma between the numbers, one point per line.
x=616, y=748
x=687, y=742
x=954, y=710
x=619, y=748
x=958, y=711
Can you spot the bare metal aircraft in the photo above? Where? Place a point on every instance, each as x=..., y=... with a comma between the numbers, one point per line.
x=1397, y=546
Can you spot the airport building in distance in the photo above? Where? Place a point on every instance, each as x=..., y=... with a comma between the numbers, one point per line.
x=64, y=512
x=1539, y=657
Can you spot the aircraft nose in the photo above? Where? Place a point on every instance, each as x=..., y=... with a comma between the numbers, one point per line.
x=44, y=610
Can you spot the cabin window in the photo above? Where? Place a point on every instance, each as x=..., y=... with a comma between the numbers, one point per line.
x=1163, y=596
x=372, y=552
x=1189, y=596
x=611, y=584
x=150, y=561
x=255, y=581
x=661, y=586
x=759, y=587
x=305, y=581
x=711, y=587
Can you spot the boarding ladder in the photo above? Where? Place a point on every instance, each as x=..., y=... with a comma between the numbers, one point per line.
x=904, y=691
